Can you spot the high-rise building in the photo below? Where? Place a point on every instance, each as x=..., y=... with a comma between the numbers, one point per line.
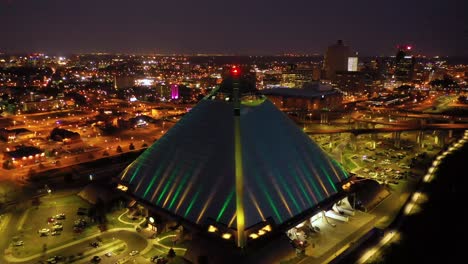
x=353, y=64
x=350, y=82
x=122, y=82
x=404, y=64
x=336, y=59
x=296, y=77
x=174, y=91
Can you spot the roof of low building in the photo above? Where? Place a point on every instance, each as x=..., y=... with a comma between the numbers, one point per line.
x=24, y=151
x=313, y=90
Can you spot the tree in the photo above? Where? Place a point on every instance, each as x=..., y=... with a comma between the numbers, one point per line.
x=119, y=149
x=171, y=254
x=131, y=147
x=7, y=164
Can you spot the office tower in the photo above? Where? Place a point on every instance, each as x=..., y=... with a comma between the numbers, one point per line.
x=353, y=64
x=336, y=59
x=404, y=64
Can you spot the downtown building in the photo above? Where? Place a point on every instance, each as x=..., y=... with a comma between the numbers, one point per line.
x=404, y=64
x=336, y=60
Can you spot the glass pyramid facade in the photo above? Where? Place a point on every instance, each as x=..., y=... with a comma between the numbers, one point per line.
x=190, y=171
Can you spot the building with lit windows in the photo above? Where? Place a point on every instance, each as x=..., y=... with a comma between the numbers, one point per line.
x=296, y=77
x=404, y=64
x=23, y=155
x=351, y=82
x=236, y=173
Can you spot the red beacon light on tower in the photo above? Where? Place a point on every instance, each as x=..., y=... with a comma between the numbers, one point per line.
x=235, y=71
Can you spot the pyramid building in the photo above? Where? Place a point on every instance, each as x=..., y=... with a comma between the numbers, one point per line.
x=235, y=162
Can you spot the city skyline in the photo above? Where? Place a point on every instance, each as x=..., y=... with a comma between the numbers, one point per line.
x=254, y=132
x=240, y=28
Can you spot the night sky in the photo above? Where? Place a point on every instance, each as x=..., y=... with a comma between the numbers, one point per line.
x=370, y=27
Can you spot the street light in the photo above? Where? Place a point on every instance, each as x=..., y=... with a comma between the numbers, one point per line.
x=49, y=191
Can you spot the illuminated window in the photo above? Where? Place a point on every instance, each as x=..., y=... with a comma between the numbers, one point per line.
x=253, y=236
x=122, y=187
x=226, y=235
x=267, y=228
x=212, y=229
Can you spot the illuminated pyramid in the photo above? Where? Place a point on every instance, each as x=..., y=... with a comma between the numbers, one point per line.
x=235, y=163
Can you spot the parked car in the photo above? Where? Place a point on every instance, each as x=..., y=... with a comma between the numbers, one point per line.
x=43, y=231
x=60, y=216
x=159, y=260
x=96, y=259
x=54, y=259
x=51, y=260
x=18, y=243
x=80, y=223
x=94, y=244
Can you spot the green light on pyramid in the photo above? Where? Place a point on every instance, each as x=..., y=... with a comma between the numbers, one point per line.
x=301, y=186
x=135, y=173
x=191, y=203
x=179, y=189
x=225, y=205
x=288, y=191
x=328, y=177
x=168, y=184
x=155, y=176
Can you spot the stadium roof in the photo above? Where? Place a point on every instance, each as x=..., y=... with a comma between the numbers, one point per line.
x=311, y=90
x=190, y=171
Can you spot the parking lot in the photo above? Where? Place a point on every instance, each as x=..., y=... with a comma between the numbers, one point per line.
x=32, y=238
x=37, y=225
x=376, y=157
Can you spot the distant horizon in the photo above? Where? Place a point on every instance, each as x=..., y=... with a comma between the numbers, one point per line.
x=261, y=27
x=58, y=54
